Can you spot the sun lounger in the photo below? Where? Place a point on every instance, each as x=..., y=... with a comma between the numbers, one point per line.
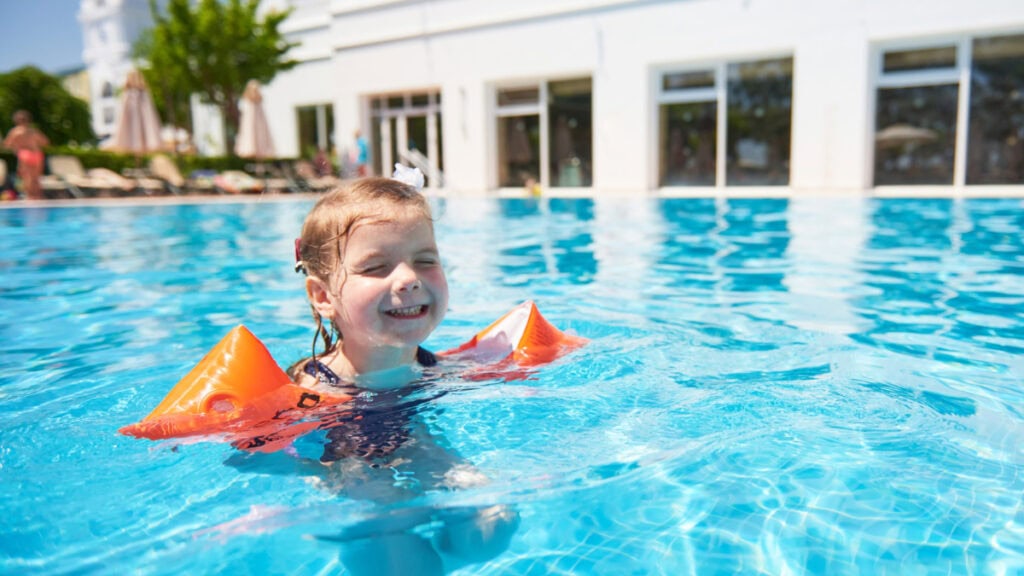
x=68, y=175
x=273, y=178
x=237, y=182
x=307, y=173
x=104, y=180
x=146, y=183
x=54, y=184
x=165, y=169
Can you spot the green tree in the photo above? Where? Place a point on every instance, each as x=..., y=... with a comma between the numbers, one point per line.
x=62, y=117
x=212, y=48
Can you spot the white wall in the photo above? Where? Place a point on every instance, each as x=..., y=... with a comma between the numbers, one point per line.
x=466, y=47
x=309, y=84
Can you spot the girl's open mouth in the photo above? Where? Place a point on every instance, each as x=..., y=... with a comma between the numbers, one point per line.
x=408, y=312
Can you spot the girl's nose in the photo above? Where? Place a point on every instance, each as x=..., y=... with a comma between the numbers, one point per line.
x=406, y=278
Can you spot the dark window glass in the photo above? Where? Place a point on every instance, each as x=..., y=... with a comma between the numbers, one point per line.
x=416, y=133
x=688, y=135
x=760, y=104
x=307, y=131
x=329, y=137
x=915, y=135
x=420, y=100
x=417, y=143
x=309, y=134
x=375, y=147
x=378, y=143
x=925, y=59
x=514, y=96
x=995, y=147
x=518, y=150
x=396, y=102
x=684, y=80
x=571, y=130
x=440, y=141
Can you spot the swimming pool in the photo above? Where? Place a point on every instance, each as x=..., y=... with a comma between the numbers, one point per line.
x=827, y=386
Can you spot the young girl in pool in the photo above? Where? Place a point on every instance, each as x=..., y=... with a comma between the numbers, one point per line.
x=377, y=290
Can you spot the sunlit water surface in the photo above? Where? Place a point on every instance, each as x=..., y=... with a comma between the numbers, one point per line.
x=817, y=386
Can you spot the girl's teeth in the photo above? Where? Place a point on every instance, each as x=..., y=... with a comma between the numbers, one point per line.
x=410, y=311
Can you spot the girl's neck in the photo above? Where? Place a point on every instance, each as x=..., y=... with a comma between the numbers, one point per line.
x=375, y=368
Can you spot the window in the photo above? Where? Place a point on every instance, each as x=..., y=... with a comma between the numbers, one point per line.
x=727, y=124
x=930, y=128
x=916, y=117
x=545, y=134
x=518, y=150
x=519, y=156
x=760, y=103
x=107, y=91
x=316, y=129
x=995, y=149
x=407, y=130
x=688, y=134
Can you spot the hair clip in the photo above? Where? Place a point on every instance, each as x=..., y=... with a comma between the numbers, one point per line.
x=300, y=266
x=411, y=176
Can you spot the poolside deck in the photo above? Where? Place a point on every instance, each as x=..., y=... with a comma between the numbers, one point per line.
x=728, y=192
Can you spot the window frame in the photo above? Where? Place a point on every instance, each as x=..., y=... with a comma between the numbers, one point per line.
x=717, y=93
x=960, y=75
x=538, y=108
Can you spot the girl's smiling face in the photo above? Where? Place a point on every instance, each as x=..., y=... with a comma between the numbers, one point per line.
x=391, y=291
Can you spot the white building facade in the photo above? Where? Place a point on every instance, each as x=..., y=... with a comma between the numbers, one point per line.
x=109, y=28
x=677, y=97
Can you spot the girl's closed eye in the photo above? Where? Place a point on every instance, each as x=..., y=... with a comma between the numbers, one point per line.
x=371, y=269
x=430, y=260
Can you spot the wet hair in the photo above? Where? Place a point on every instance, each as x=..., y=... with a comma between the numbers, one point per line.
x=320, y=250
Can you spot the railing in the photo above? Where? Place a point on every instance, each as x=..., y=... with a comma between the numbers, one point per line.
x=435, y=177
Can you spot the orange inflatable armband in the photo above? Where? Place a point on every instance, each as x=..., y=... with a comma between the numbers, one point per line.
x=239, y=392
x=522, y=336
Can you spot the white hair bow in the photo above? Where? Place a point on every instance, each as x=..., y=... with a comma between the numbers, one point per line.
x=411, y=176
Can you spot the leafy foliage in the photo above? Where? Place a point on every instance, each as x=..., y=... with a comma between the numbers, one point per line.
x=62, y=117
x=212, y=48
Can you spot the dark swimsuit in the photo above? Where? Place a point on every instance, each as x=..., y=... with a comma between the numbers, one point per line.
x=377, y=423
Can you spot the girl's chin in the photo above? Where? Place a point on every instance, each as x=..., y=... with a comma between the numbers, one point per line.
x=410, y=339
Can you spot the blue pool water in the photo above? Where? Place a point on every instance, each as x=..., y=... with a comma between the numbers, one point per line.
x=819, y=386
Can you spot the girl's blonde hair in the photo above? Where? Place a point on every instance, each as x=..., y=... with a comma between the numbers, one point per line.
x=320, y=250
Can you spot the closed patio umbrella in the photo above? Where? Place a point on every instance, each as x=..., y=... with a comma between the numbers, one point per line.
x=138, y=126
x=254, y=140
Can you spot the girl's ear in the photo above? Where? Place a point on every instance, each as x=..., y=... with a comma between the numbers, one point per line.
x=320, y=297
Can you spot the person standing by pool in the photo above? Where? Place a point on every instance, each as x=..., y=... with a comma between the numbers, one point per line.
x=27, y=142
x=362, y=154
x=377, y=290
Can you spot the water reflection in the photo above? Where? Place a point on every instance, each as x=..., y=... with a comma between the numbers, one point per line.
x=725, y=245
x=564, y=252
x=940, y=274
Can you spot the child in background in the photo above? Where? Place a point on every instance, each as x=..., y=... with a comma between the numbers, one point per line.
x=377, y=290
